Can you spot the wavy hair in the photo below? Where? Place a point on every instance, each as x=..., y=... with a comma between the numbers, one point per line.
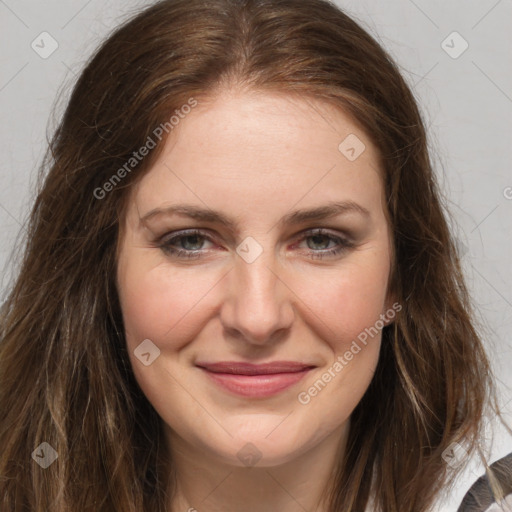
x=65, y=376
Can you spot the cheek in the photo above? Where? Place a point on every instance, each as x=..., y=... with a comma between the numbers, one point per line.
x=345, y=301
x=347, y=307
x=162, y=304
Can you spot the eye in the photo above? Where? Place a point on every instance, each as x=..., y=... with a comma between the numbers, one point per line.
x=319, y=242
x=191, y=244
x=186, y=244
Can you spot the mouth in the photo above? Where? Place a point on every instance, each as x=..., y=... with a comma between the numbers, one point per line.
x=255, y=380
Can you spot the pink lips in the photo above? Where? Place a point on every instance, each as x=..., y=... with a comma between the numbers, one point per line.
x=255, y=380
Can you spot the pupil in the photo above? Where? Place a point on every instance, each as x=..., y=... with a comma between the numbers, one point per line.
x=195, y=241
x=317, y=239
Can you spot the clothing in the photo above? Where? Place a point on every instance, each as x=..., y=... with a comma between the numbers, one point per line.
x=480, y=497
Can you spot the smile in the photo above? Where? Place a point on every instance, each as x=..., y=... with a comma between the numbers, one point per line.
x=255, y=381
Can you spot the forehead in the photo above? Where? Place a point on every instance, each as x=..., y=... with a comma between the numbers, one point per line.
x=272, y=123
x=263, y=150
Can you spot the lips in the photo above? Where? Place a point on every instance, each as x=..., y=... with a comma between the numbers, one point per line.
x=237, y=368
x=255, y=380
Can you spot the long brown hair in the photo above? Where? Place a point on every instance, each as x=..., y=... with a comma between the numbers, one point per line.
x=65, y=376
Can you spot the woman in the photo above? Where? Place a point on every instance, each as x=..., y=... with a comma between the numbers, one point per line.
x=194, y=345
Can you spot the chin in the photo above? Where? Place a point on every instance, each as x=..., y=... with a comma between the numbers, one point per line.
x=266, y=445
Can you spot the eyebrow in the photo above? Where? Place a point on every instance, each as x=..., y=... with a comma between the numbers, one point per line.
x=330, y=210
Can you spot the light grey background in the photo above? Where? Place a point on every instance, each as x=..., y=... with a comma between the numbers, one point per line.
x=466, y=102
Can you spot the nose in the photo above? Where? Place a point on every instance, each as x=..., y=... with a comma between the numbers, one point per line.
x=258, y=306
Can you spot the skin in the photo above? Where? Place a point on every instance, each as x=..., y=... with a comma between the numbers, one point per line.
x=255, y=157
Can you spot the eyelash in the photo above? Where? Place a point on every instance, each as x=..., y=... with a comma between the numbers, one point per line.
x=166, y=244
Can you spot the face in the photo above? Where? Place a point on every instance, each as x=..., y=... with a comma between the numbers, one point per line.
x=253, y=274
